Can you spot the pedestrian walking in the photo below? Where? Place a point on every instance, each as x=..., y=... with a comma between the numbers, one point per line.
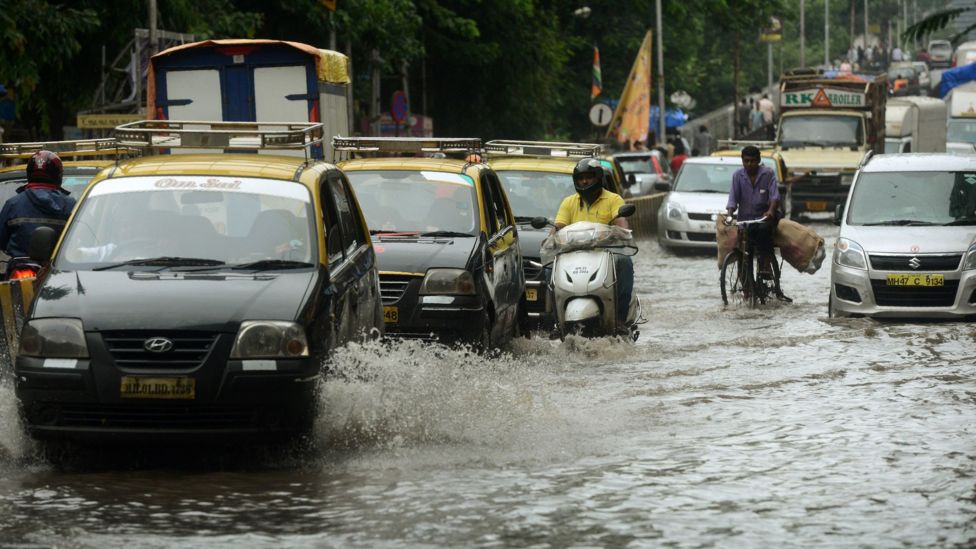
x=702, y=142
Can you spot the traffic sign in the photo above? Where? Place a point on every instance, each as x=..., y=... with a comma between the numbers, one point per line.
x=398, y=108
x=600, y=114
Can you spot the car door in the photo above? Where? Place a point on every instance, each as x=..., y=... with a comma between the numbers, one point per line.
x=503, y=247
x=342, y=248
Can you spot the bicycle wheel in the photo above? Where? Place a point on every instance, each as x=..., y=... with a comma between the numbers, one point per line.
x=730, y=281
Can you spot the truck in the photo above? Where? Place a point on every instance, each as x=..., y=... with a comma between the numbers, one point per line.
x=243, y=80
x=961, y=126
x=915, y=124
x=828, y=122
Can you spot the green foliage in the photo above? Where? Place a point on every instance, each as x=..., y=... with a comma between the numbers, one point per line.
x=937, y=22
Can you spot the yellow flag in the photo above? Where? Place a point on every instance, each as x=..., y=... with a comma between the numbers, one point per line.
x=631, y=120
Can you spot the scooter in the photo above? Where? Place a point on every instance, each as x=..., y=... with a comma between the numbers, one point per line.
x=584, y=277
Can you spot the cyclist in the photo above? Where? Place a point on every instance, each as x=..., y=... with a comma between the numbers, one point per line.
x=755, y=193
x=594, y=203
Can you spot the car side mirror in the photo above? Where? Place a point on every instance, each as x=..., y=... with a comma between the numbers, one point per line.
x=838, y=214
x=41, y=244
x=539, y=222
x=626, y=210
x=631, y=180
x=662, y=186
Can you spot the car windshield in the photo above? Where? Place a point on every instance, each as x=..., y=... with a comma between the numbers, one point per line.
x=941, y=48
x=636, y=164
x=914, y=198
x=712, y=178
x=400, y=201
x=169, y=221
x=902, y=72
x=536, y=194
x=961, y=131
x=821, y=131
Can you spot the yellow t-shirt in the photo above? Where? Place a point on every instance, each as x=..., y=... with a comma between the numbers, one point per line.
x=603, y=210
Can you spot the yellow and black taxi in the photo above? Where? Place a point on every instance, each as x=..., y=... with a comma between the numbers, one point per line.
x=196, y=296
x=537, y=176
x=446, y=239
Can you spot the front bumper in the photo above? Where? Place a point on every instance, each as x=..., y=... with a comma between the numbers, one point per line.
x=446, y=318
x=819, y=194
x=860, y=292
x=233, y=399
x=692, y=231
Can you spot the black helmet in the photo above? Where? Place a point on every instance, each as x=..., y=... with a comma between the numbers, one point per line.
x=587, y=167
x=44, y=167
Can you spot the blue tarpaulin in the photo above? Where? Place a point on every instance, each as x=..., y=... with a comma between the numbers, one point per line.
x=673, y=118
x=956, y=77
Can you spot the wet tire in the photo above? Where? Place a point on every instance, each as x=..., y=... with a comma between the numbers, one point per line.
x=730, y=281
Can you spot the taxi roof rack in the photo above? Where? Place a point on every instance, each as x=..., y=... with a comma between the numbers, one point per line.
x=203, y=134
x=554, y=149
x=65, y=149
x=407, y=144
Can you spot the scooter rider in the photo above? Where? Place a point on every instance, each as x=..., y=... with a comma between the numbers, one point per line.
x=40, y=203
x=595, y=204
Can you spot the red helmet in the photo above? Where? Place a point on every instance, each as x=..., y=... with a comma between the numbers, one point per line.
x=44, y=167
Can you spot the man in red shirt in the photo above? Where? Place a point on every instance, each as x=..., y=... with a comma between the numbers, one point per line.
x=679, y=156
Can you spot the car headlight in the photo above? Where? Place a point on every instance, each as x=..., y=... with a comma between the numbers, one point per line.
x=675, y=211
x=54, y=338
x=970, y=262
x=448, y=281
x=849, y=254
x=270, y=339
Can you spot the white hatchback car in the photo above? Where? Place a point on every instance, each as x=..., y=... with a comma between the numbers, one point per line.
x=907, y=243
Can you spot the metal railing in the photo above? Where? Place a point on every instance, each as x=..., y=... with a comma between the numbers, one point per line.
x=200, y=134
x=555, y=149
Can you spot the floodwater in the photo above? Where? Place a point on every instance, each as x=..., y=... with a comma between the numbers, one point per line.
x=719, y=427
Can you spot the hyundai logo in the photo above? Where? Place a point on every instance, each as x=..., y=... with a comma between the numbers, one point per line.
x=158, y=345
x=914, y=263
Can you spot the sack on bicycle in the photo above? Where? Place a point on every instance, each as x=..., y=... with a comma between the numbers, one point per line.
x=799, y=246
x=726, y=236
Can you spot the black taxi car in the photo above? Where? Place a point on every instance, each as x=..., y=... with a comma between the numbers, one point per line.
x=197, y=296
x=446, y=239
x=537, y=176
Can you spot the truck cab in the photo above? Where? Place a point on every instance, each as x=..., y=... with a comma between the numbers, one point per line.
x=915, y=124
x=828, y=122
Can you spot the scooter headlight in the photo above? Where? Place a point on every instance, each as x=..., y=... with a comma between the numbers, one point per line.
x=849, y=254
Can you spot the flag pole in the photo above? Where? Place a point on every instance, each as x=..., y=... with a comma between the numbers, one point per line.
x=660, y=75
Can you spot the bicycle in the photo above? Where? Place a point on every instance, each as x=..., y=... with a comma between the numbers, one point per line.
x=739, y=280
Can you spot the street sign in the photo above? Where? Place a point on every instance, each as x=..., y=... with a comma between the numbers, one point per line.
x=822, y=97
x=106, y=121
x=398, y=107
x=601, y=114
x=329, y=4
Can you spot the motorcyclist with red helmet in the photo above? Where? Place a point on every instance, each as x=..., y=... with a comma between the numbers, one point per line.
x=42, y=202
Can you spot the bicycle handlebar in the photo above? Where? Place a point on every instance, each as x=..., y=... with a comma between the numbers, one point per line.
x=729, y=221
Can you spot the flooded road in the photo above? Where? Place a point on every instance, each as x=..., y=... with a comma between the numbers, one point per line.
x=720, y=427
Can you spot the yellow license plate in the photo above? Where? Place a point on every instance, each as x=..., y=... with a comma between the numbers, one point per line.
x=169, y=388
x=391, y=315
x=816, y=205
x=531, y=294
x=916, y=280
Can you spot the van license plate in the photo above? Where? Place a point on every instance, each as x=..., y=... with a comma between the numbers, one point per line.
x=816, y=205
x=916, y=280
x=391, y=315
x=169, y=388
x=531, y=294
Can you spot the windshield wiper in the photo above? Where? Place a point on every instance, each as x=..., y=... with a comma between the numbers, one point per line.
x=270, y=264
x=901, y=222
x=444, y=233
x=163, y=261
x=524, y=219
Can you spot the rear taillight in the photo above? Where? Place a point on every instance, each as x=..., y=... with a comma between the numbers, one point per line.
x=23, y=273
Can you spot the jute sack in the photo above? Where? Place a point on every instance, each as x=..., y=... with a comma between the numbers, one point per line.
x=800, y=246
x=725, y=236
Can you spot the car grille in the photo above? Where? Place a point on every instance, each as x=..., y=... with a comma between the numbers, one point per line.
x=392, y=287
x=162, y=417
x=701, y=237
x=190, y=349
x=926, y=262
x=531, y=272
x=701, y=216
x=914, y=296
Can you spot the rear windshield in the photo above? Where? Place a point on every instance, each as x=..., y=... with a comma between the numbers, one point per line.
x=536, y=194
x=636, y=164
x=914, y=198
x=961, y=131
x=416, y=201
x=821, y=131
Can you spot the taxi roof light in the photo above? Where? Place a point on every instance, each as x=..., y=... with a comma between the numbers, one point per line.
x=406, y=144
x=503, y=147
x=201, y=134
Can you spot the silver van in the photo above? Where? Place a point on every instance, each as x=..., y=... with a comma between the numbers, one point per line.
x=907, y=242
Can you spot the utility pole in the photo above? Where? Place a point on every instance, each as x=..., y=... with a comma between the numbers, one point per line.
x=904, y=23
x=865, y=24
x=803, y=34
x=374, y=101
x=852, y=21
x=826, y=32
x=152, y=29
x=660, y=75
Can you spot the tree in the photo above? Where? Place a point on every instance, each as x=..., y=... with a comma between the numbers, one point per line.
x=936, y=22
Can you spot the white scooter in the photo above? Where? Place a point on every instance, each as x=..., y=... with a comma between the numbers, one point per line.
x=584, y=277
